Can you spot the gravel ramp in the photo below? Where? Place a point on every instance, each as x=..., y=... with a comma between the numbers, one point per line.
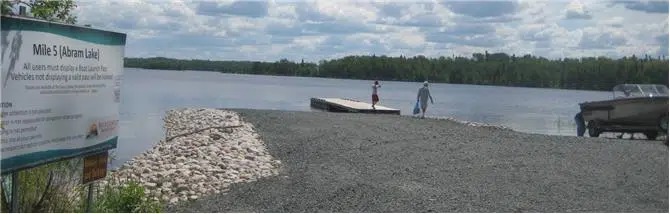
x=335, y=162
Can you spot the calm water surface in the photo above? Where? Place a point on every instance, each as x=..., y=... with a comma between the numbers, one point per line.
x=147, y=94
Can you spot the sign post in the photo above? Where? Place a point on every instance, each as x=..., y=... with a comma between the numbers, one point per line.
x=89, y=200
x=59, y=89
x=15, y=192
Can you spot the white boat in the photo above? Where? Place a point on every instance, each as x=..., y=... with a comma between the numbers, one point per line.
x=633, y=108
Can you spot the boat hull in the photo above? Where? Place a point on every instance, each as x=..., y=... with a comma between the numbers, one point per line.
x=641, y=112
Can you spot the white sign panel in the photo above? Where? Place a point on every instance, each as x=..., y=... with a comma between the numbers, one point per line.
x=60, y=91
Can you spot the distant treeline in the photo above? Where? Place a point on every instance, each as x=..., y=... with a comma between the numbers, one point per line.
x=593, y=73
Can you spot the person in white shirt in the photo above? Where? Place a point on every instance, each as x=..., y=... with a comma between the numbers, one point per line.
x=375, y=97
x=422, y=97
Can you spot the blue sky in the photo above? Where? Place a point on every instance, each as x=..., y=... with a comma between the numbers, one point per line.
x=314, y=30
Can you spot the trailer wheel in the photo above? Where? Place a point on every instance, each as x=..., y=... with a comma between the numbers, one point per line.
x=651, y=135
x=593, y=128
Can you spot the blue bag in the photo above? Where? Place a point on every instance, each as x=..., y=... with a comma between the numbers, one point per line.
x=416, y=108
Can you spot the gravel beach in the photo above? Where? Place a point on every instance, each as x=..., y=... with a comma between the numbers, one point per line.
x=386, y=163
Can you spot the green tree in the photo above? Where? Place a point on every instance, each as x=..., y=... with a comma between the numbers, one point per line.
x=590, y=73
x=7, y=8
x=50, y=10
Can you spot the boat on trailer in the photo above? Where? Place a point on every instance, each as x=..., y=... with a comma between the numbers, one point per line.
x=634, y=108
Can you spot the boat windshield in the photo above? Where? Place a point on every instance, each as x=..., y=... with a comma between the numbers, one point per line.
x=639, y=90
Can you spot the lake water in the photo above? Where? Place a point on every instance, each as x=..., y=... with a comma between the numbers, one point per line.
x=147, y=94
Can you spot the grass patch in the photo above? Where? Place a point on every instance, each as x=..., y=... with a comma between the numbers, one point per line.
x=126, y=197
x=57, y=187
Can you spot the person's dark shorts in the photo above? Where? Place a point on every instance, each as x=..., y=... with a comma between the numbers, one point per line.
x=375, y=98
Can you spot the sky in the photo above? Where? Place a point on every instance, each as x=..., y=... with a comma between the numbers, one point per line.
x=315, y=30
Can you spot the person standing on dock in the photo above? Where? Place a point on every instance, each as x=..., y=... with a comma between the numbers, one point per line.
x=422, y=97
x=375, y=97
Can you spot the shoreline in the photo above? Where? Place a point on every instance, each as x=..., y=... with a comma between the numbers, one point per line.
x=367, y=80
x=605, y=135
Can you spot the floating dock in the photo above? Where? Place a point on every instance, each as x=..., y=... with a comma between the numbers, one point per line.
x=350, y=106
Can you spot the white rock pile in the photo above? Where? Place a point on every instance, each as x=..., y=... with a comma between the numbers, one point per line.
x=201, y=163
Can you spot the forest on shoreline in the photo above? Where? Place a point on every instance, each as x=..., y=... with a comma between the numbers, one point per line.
x=588, y=73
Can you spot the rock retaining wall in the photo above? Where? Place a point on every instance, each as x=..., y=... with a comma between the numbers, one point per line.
x=190, y=165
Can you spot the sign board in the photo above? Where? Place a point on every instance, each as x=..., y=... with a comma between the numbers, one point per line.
x=95, y=167
x=60, y=91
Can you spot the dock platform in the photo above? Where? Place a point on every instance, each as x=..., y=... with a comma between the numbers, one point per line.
x=350, y=106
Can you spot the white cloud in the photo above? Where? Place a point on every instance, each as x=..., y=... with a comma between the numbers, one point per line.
x=319, y=29
x=576, y=10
